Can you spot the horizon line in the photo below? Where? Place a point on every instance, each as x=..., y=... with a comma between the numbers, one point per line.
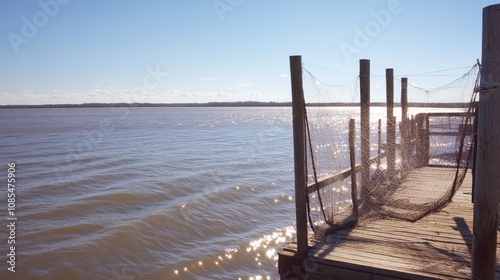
x=233, y=104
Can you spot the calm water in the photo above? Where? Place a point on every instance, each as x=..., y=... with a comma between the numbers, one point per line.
x=149, y=193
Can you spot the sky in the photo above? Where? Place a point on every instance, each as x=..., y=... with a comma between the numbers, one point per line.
x=179, y=51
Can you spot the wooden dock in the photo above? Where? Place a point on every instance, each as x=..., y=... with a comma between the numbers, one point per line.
x=438, y=246
x=369, y=243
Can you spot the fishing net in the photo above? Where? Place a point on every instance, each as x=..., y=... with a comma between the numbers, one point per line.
x=435, y=130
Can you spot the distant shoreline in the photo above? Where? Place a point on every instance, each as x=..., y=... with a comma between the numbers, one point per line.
x=229, y=104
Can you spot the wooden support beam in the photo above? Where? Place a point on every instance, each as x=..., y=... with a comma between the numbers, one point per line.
x=418, y=133
x=404, y=98
x=352, y=153
x=422, y=120
x=341, y=175
x=427, y=142
x=487, y=179
x=391, y=146
x=412, y=138
x=391, y=123
x=404, y=123
x=299, y=147
x=474, y=147
x=379, y=136
x=424, y=138
x=364, y=77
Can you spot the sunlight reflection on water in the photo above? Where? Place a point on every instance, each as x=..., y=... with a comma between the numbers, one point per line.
x=262, y=250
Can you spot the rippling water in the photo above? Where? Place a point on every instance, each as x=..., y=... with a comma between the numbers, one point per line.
x=149, y=193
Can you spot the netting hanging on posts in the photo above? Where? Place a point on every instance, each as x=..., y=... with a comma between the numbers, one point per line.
x=327, y=127
x=435, y=130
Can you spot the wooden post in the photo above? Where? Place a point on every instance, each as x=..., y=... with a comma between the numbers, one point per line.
x=474, y=147
x=391, y=124
x=393, y=136
x=404, y=122
x=404, y=98
x=352, y=153
x=364, y=75
x=299, y=147
x=418, y=138
x=421, y=158
x=412, y=138
x=427, y=143
x=487, y=180
x=379, y=136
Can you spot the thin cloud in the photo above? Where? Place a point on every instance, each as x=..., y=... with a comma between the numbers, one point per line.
x=245, y=85
x=283, y=75
x=98, y=90
x=28, y=95
x=206, y=79
x=252, y=93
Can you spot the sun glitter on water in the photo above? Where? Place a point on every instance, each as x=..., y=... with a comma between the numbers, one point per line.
x=262, y=251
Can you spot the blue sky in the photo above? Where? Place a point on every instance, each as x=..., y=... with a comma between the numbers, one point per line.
x=75, y=51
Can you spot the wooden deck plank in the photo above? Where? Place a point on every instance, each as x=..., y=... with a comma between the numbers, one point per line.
x=435, y=247
x=388, y=258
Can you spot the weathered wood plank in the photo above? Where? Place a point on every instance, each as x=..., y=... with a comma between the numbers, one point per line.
x=409, y=265
x=341, y=175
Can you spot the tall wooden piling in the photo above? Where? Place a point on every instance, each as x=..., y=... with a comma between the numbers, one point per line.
x=413, y=136
x=391, y=124
x=487, y=179
x=404, y=98
x=379, y=137
x=405, y=134
x=352, y=153
x=364, y=76
x=422, y=137
x=299, y=147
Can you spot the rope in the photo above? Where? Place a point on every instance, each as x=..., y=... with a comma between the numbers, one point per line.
x=313, y=163
x=406, y=75
x=437, y=71
x=308, y=203
x=447, y=85
x=316, y=79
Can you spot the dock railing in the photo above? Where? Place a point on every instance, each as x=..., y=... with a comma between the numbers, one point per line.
x=423, y=129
